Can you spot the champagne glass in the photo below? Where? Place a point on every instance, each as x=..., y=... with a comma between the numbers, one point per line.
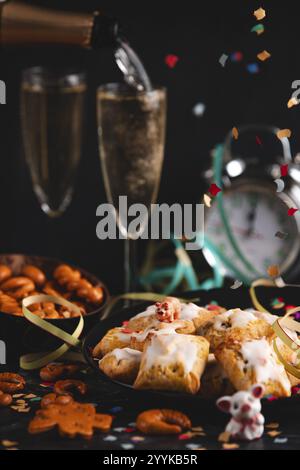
x=52, y=109
x=131, y=143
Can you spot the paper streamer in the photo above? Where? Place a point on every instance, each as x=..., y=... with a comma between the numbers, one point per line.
x=279, y=325
x=37, y=360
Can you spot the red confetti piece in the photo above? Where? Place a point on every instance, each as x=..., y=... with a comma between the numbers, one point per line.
x=183, y=437
x=292, y=211
x=214, y=189
x=129, y=430
x=125, y=323
x=212, y=307
x=236, y=56
x=284, y=169
x=272, y=398
x=289, y=307
x=171, y=60
x=258, y=141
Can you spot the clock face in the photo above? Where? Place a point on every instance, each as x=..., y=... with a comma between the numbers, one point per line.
x=255, y=215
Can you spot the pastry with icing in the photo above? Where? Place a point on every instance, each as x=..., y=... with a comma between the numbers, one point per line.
x=121, y=364
x=234, y=325
x=139, y=339
x=214, y=381
x=254, y=361
x=173, y=362
x=115, y=338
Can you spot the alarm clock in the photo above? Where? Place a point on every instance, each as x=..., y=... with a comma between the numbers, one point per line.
x=249, y=228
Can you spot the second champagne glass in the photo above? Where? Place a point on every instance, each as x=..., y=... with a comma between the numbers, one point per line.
x=131, y=140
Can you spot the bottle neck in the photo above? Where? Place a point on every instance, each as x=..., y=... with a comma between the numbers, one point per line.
x=29, y=25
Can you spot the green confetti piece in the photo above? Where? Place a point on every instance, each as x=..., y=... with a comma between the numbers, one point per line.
x=258, y=28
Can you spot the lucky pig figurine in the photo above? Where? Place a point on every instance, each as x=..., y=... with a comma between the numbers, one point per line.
x=247, y=423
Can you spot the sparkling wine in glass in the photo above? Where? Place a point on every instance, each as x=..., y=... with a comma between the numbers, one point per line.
x=52, y=109
x=131, y=143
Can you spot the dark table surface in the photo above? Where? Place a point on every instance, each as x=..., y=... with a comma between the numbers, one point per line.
x=282, y=429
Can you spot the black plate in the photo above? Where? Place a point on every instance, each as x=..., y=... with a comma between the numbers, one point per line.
x=226, y=297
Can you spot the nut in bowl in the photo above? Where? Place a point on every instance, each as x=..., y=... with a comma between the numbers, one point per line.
x=22, y=276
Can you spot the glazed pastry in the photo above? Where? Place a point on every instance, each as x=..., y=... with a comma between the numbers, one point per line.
x=138, y=339
x=214, y=381
x=114, y=338
x=254, y=361
x=234, y=325
x=173, y=362
x=121, y=364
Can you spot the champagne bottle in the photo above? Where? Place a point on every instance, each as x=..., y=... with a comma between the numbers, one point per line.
x=23, y=24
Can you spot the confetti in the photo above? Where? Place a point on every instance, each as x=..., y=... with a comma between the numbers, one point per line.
x=110, y=438
x=273, y=270
x=236, y=56
x=207, y=200
x=272, y=425
x=7, y=443
x=127, y=446
x=259, y=14
x=18, y=395
x=258, y=140
x=273, y=433
x=232, y=446
x=284, y=133
x=191, y=446
x=137, y=439
x=292, y=211
x=263, y=55
x=235, y=133
x=214, y=189
x=198, y=109
x=252, y=68
x=119, y=429
x=223, y=59
x=197, y=428
x=280, y=440
x=258, y=29
x=224, y=437
x=183, y=437
x=292, y=102
x=236, y=284
x=281, y=235
x=280, y=185
x=171, y=60
x=116, y=409
x=284, y=169
x=129, y=430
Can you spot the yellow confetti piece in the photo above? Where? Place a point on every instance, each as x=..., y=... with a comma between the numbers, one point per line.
x=23, y=410
x=272, y=425
x=263, y=55
x=7, y=443
x=273, y=270
x=18, y=395
x=230, y=446
x=292, y=102
x=197, y=428
x=259, y=14
x=273, y=433
x=235, y=133
x=224, y=437
x=284, y=133
x=207, y=200
x=30, y=395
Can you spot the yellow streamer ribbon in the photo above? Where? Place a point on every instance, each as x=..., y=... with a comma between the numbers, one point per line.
x=37, y=360
x=279, y=325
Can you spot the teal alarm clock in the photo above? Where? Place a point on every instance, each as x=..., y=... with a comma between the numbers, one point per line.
x=249, y=226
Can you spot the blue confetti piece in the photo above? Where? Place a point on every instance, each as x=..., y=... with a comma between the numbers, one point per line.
x=36, y=399
x=116, y=409
x=253, y=68
x=280, y=440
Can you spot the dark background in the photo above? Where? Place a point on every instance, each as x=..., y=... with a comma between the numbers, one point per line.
x=198, y=33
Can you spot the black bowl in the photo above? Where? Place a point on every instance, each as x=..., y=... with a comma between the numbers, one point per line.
x=19, y=335
x=226, y=297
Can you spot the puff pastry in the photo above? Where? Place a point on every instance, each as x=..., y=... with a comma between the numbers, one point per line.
x=121, y=364
x=173, y=362
x=254, y=361
x=234, y=325
x=114, y=338
x=214, y=381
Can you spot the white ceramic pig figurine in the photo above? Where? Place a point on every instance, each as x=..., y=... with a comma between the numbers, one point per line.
x=247, y=423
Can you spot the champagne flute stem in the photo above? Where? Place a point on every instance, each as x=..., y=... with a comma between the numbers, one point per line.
x=130, y=265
